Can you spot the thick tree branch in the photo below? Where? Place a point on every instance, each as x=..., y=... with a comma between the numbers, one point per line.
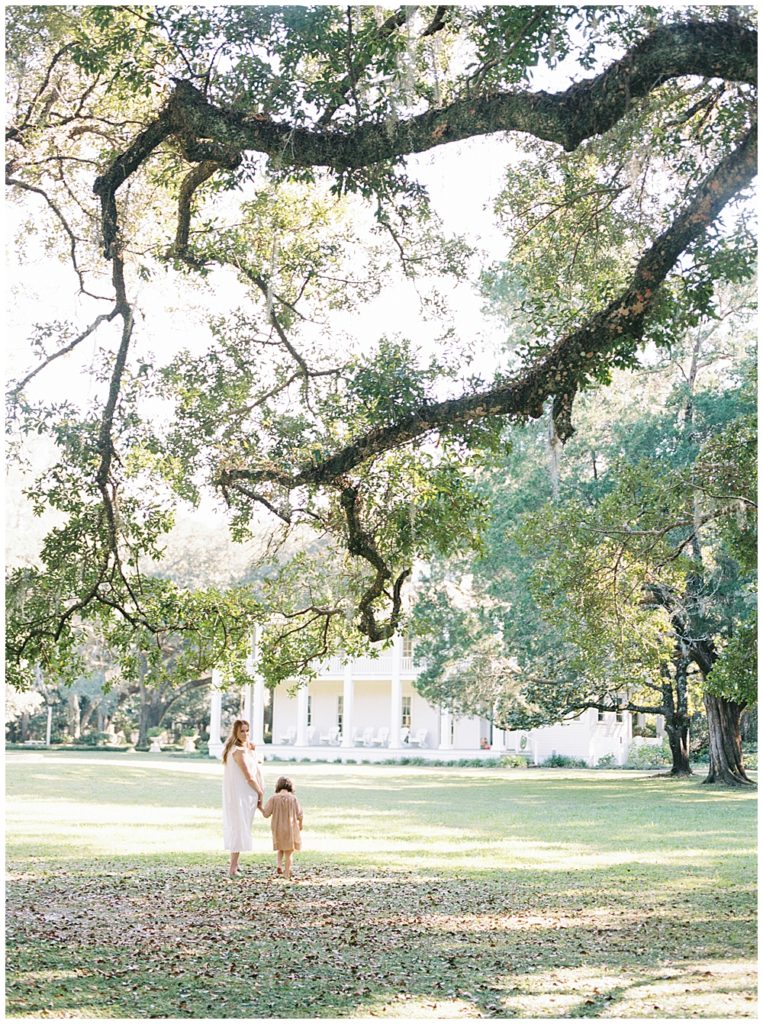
x=196, y=176
x=106, y=185
x=569, y=362
x=437, y=23
x=207, y=132
x=105, y=442
x=105, y=439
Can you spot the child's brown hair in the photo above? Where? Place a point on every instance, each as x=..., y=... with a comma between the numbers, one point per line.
x=284, y=783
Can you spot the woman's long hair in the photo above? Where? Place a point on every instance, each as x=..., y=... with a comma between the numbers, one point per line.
x=233, y=738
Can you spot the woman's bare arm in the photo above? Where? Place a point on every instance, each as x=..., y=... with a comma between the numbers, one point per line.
x=240, y=760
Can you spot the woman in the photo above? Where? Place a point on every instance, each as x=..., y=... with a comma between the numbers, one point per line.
x=242, y=792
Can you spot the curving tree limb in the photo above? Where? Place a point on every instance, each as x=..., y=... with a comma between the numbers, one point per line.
x=196, y=176
x=209, y=132
x=568, y=363
x=361, y=544
x=213, y=136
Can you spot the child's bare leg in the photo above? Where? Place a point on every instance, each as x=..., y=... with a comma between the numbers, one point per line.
x=279, y=860
x=287, y=869
x=233, y=864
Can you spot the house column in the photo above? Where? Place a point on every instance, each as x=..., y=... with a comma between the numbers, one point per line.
x=215, y=716
x=499, y=739
x=301, y=740
x=445, y=720
x=246, y=711
x=256, y=717
x=348, y=693
x=396, y=694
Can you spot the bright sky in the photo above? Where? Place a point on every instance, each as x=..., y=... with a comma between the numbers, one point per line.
x=462, y=178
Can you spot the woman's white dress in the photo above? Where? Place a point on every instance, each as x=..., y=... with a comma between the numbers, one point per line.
x=239, y=801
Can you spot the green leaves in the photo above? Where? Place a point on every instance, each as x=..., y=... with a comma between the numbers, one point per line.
x=556, y=611
x=270, y=144
x=735, y=675
x=386, y=385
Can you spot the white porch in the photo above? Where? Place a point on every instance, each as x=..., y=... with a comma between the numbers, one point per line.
x=368, y=710
x=373, y=755
x=363, y=710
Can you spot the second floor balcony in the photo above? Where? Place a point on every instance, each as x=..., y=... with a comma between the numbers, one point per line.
x=380, y=667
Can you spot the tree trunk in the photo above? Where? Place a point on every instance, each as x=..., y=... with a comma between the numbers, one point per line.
x=87, y=714
x=725, y=746
x=144, y=721
x=675, y=702
x=75, y=722
x=749, y=725
x=678, y=739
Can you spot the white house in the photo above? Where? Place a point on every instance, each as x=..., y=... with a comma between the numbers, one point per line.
x=368, y=710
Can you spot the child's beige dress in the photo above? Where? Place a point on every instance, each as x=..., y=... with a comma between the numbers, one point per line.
x=286, y=820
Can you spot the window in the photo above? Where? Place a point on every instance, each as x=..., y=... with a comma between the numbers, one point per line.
x=339, y=712
x=309, y=710
x=600, y=716
x=452, y=728
x=407, y=647
x=619, y=715
x=405, y=720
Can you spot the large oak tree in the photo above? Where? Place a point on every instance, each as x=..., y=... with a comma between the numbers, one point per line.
x=168, y=146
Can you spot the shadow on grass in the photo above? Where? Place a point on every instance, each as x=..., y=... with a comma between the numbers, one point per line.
x=424, y=892
x=139, y=938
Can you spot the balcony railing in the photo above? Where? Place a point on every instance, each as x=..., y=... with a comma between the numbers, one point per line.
x=364, y=667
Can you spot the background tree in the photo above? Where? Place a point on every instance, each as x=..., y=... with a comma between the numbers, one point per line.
x=598, y=599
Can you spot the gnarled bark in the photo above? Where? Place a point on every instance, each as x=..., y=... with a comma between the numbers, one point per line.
x=572, y=358
x=725, y=742
x=210, y=132
x=676, y=704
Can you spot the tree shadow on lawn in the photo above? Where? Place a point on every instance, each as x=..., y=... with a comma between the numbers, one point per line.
x=138, y=938
x=461, y=819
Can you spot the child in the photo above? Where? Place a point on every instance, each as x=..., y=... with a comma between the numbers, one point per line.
x=286, y=824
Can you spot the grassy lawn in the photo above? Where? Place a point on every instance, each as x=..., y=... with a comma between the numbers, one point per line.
x=422, y=892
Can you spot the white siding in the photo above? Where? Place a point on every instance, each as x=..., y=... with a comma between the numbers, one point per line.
x=584, y=737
